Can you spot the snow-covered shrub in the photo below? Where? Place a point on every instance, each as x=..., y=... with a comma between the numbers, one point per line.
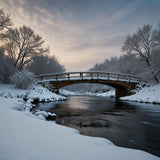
x=23, y=79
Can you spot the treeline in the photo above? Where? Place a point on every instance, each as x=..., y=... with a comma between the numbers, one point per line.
x=142, y=55
x=21, y=48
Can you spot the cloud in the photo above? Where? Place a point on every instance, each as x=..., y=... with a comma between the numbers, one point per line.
x=112, y=41
x=125, y=11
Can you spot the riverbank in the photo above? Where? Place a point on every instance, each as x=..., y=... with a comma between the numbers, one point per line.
x=35, y=93
x=149, y=94
x=110, y=93
x=25, y=136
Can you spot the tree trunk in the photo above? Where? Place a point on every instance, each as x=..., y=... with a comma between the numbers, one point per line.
x=154, y=76
x=21, y=64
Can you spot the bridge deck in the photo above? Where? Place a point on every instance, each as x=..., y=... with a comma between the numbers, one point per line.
x=88, y=76
x=123, y=83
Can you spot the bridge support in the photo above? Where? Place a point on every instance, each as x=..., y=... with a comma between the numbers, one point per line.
x=123, y=93
x=56, y=91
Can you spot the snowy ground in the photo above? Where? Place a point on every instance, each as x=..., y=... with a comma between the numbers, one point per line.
x=24, y=136
x=36, y=92
x=148, y=95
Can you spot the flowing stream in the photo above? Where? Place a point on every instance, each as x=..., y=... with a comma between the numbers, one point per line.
x=126, y=124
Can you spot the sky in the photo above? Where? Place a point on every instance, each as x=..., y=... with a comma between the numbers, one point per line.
x=81, y=33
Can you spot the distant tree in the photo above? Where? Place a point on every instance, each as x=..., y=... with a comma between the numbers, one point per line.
x=156, y=36
x=5, y=20
x=140, y=43
x=22, y=45
x=6, y=67
x=43, y=64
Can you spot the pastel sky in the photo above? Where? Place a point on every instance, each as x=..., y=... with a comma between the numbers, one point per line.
x=83, y=32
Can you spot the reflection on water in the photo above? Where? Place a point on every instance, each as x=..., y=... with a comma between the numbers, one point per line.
x=132, y=125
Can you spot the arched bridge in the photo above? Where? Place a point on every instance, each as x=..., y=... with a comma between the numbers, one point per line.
x=123, y=83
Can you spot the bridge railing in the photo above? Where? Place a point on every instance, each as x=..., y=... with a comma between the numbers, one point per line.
x=89, y=75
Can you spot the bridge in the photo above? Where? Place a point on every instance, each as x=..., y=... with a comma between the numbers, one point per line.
x=123, y=83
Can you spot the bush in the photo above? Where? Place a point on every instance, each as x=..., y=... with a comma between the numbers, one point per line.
x=23, y=79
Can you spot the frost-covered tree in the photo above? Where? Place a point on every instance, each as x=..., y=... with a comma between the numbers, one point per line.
x=44, y=64
x=6, y=68
x=5, y=20
x=156, y=36
x=22, y=44
x=23, y=79
x=140, y=44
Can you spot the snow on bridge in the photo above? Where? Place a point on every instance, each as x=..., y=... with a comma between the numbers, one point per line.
x=123, y=83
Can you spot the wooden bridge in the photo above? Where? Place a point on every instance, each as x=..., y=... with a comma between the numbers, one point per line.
x=123, y=83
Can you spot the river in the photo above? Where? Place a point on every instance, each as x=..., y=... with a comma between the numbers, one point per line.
x=126, y=124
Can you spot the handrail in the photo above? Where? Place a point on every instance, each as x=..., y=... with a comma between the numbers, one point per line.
x=61, y=73
x=89, y=74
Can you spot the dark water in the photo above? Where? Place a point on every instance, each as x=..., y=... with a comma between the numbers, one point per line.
x=131, y=125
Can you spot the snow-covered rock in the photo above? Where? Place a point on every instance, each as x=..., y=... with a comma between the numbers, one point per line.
x=45, y=115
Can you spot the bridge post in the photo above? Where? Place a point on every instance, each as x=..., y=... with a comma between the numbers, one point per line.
x=97, y=75
x=81, y=75
x=118, y=77
x=108, y=75
x=68, y=76
x=129, y=78
x=91, y=74
x=56, y=91
x=123, y=93
x=56, y=77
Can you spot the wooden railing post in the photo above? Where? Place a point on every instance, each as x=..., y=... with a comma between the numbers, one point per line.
x=56, y=77
x=97, y=75
x=118, y=77
x=108, y=75
x=41, y=78
x=81, y=75
x=68, y=76
x=91, y=74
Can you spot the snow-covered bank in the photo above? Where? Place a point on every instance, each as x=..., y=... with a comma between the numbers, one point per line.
x=110, y=93
x=36, y=92
x=147, y=95
x=150, y=94
x=23, y=136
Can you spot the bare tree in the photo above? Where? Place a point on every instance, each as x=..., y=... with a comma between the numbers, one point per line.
x=140, y=43
x=23, y=44
x=5, y=20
